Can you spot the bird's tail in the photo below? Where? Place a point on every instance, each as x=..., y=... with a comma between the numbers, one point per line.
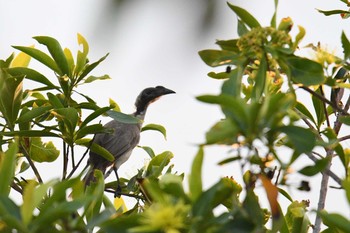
x=90, y=175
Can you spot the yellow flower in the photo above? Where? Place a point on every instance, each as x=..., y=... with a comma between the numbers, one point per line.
x=165, y=217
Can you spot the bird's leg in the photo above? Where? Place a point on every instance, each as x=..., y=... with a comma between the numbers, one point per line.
x=118, y=190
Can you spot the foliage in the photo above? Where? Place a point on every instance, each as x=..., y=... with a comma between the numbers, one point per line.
x=265, y=119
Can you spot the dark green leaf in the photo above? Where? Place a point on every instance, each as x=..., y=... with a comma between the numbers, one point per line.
x=223, y=132
x=96, y=113
x=305, y=71
x=30, y=133
x=56, y=52
x=335, y=220
x=232, y=86
x=296, y=217
x=345, y=120
x=260, y=80
x=195, y=178
x=33, y=113
x=215, y=58
x=245, y=16
x=242, y=29
x=7, y=169
x=221, y=75
x=230, y=45
x=88, y=68
x=90, y=129
x=302, y=139
x=40, y=56
x=55, y=100
x=155, y=127
x=319, y=108
x=215, y=195
x=315, y=169
x=346, y=45
x=69, y=116
x=97, y=149
x=11, y=92
x=158, y=163
x=229, y=160
x=333, y=12
x=149, y=151
x=302, y=109
x=122, y=117
x=285, y=194
x=32, y=75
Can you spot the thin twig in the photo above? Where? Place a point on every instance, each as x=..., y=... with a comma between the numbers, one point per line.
x=344, y=138
x=65, y=161
x=31, y=164
x=328, y=172
x=335, y=106
x=81, y=159
x=323, y=194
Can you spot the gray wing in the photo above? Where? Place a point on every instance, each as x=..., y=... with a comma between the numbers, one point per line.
x=122, y=140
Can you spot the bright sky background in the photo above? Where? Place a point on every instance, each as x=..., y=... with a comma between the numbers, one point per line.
x=156, y=43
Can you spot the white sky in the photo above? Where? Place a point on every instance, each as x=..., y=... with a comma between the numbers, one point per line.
x=156, y=43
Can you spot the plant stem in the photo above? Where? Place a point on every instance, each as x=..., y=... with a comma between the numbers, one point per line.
x=31, y=164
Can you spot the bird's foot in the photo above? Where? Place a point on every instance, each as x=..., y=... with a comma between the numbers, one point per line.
x=118, y=191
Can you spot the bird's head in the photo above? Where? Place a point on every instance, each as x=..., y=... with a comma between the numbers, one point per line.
x=149, y=95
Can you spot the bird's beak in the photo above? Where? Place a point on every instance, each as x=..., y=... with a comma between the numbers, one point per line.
x=167, y=91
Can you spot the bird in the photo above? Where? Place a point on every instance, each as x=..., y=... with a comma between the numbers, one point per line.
x=123, y=138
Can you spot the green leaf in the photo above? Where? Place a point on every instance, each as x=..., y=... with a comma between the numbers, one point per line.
x=303, y=110
x=230, y=45
x=96, y=113
x=315, y=169
x=158, y=163
x=90, y=129
x=215, y=58
x=195, y=178
x=232, y=86
x=305, y=71
x=55, y=100
x=32, y=75
x=303, y=140
x=122, y=117
x=214, y=196
x=91, y=79
x=69, y=116
x=33, y=113
x=56, y=52
x=70, y=60
x=40, y=56
x=95, y=148
x=11, y=92
x=32, y=197
x=346, y=45
x=296, y=218
x=229, y=160
x=221, y=75
x=7, y=169
x=10, y=214
x=88, y=68
x=319, y=109
x=245, y=16
x=29, y=133
x=260, y=80
x=285, y=194
x=149, y=151
x=223, y=132
x=345, y=120
x=155, y=127
x=333, y=12
x=42, y=152
x=335, y=221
